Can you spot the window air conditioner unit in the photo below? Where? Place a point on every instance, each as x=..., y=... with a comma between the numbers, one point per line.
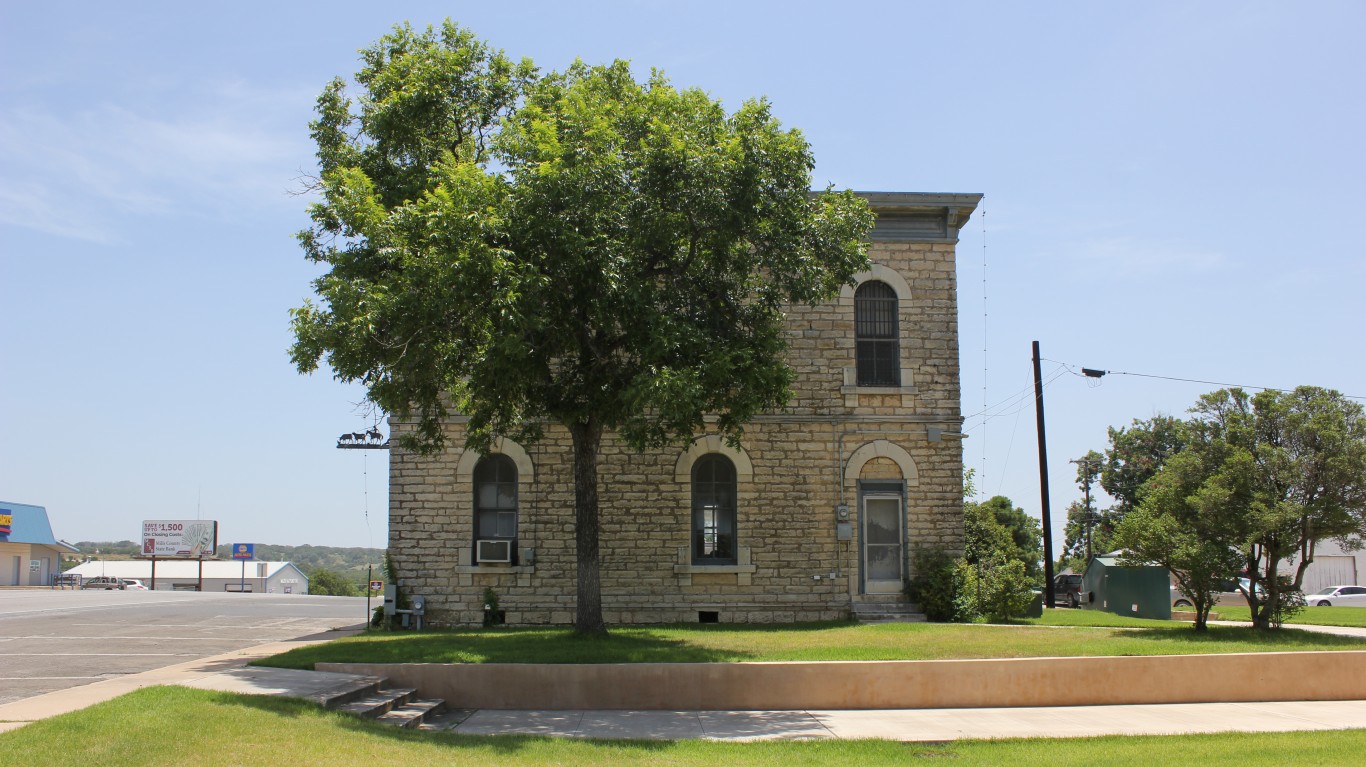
x=495, y=551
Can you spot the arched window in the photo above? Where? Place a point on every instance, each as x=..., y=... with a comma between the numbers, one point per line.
x=876, y=337
x=495, y=509
x=713, y=511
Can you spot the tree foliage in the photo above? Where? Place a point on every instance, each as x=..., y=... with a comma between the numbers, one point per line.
x=575, y=248
x=328, y=583
x=1186, y=527
x=1260, y=479
x=996, y=531
x=1135, y=455
x=1285, y=470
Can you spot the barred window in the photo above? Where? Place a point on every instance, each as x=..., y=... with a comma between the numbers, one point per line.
x=713, y=511
x=876, y=336
x=495, y=500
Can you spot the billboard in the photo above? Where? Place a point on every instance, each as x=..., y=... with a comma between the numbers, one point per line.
x=244, y=551
x=179, y=538
x=6, y=522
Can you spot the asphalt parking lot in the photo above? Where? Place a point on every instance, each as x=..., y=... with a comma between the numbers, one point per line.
x=58, y=639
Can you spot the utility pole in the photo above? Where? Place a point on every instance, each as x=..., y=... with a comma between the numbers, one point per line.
x=1043, y=486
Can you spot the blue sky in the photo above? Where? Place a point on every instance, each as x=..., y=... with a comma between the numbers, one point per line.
x=1171, y=188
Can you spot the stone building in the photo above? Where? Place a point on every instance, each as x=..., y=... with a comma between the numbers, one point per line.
x=817, y=514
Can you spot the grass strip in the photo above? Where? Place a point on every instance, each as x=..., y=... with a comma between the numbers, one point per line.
x=802, y=642
x=1310, y=616
x=179, y=726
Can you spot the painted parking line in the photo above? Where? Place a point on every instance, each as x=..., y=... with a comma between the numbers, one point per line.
x=45, y=678
x=158, y=638
x=67, y=609
x=100, y=655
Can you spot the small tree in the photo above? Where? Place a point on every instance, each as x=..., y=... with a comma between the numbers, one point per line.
x=1005, y=591
x=574, y=248
x=1156, y=534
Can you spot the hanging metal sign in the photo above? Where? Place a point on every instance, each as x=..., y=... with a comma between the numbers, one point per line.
x=363, y=440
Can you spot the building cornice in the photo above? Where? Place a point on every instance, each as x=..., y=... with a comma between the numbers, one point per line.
x=919, y=216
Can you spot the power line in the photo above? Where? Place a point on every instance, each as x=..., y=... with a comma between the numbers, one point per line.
x=1091, y=373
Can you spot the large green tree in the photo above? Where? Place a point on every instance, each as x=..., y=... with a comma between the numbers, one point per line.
x=1288, y=470
x=575, y=248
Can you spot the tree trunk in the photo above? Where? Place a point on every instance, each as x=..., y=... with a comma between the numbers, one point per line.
x=1202, y=615
x=588, y=605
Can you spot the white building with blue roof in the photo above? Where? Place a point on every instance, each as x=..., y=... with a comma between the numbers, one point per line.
x=29, y=553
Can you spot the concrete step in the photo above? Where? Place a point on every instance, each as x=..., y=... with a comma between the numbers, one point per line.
x=887, y=611
x=446, y=720
x=413, y=713
x=379, y=703
x=907, y=618
x=360, y=687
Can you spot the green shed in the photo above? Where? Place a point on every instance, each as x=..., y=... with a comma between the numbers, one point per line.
x=1139, y=592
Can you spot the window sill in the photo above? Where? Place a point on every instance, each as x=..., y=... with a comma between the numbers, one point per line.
x=853, y=389
x=494, y=567
x=714, y=569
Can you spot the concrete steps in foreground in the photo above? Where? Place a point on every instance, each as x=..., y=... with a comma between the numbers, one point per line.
x=888, y=610
x=396, y=707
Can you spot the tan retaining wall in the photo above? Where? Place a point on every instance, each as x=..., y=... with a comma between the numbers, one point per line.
x=884, y=684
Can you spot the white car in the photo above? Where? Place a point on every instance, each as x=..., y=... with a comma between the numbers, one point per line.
x=132, y=584
x=1229, y=593
x=1338, y=596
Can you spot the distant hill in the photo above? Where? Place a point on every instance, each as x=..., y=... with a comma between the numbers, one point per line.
x=348, y=562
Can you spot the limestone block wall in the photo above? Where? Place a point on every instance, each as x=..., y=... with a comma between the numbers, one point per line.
x=786, y=528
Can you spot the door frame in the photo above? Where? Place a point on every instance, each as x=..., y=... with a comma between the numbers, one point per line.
x=880, y=489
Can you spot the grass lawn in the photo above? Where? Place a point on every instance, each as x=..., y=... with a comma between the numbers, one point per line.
x=179, y=726
x=1313, y=616
x=806, y=642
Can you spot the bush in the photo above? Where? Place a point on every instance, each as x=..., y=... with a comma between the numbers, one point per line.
x=933, y=587
x=492, y=615
x=955, y=590
x=1006, y=591
x=967, y=599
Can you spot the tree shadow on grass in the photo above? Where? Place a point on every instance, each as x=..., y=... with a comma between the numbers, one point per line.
x=508, y=645
x=1286, y=640
x=294, y=708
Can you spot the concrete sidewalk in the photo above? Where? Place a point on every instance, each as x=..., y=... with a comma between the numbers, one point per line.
x=228, y=673
x=924, y=724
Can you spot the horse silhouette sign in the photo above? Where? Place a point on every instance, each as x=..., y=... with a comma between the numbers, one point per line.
x=363, y=440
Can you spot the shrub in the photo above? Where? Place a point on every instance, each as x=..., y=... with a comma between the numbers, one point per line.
x=933, y=585
x=492, y=615
x=1006, y=590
